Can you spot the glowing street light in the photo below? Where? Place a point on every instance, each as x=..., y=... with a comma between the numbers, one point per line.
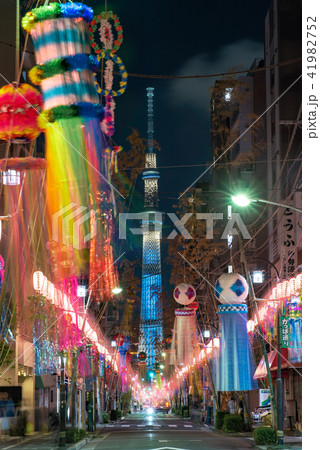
x=243, y=201
x=116, y=290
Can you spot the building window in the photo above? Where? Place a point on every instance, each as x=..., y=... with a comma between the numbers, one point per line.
x=10, y=177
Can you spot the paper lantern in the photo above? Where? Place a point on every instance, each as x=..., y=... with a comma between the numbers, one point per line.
x=19, y=110
x=231, y=288
x=184, y=294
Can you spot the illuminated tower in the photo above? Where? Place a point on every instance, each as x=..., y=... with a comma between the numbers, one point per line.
x=151, y=334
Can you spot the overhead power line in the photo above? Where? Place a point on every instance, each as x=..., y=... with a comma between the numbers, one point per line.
x=222, y=74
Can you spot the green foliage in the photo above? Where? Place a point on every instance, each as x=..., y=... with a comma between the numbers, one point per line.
x=126, y=400
x=119, y=413
x=105, y=417
x=220, y=418
x=177, y=411
x=267, y=420
x=265, y=436
x=232, y=423
x=75, y=435
x=185, y=413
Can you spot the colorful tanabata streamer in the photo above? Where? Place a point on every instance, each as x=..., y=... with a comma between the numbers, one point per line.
x=184, y=338
x=234, y=370
x=71, y=118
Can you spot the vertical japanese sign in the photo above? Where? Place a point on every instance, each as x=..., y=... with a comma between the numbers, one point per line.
x=288, y=247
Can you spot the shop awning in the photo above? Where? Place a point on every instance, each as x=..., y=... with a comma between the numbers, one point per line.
x=261, y=371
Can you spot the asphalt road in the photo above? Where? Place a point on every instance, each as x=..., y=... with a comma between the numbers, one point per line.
x=140, y=431
x=161, y=432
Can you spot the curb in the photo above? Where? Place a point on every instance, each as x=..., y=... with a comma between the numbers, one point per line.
x=80, y=444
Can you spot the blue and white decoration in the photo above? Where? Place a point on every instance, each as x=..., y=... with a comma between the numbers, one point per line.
x=231, y=288
x=234, y=365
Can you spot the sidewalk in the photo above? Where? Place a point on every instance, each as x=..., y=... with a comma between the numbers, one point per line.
x=8, y=441
x=289, y=441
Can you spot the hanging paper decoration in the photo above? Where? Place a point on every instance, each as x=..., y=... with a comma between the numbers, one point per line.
x=123, y=349
x=231, y=288
x=107, y=53
x=19, y=164
x=71, y=116
x=20, y=105
x=1, y=271
x=142, y=356
x=168, y=341
x=184, y=294
x=194, y=305
x=234, y=364
x=184, y=338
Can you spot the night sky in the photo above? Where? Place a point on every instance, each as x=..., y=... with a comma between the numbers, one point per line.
x=180, y=38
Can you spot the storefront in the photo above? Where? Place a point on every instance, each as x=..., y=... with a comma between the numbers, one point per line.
x=286, y=301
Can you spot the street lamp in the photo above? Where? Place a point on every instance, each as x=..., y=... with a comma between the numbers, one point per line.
x=243, y=201
x=116, y=290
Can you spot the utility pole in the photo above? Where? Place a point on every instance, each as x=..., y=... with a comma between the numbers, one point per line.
x=62, y=433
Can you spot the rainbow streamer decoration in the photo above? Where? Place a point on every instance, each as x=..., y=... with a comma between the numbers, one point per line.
x=71, y=118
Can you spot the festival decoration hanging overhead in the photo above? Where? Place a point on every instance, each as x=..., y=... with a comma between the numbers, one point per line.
x=142, y=356
x=71, y=116
x=234, y=363
x=231, y=288
x=107, y=54
x=20, y=106
x=184, y=294
x=184, y=338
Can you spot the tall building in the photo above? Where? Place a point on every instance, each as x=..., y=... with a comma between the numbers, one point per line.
x=151, y=332
x=283, y=37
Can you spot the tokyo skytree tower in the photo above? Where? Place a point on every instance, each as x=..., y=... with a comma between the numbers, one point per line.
x=151, y=333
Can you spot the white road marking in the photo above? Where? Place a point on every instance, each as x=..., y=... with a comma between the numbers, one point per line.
x=188, y=426
x=125, y=425
x=174, y=426
x=141, y=425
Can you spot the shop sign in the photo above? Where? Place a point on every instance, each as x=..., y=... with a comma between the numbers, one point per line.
x=285, y=335
x=264, y=397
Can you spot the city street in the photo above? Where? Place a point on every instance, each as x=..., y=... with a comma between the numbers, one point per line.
x=142, y=431
x=163, y=432
x=151, y=223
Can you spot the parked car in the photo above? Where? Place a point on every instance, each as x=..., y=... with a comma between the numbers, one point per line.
x=260, y=412
x=162, y=406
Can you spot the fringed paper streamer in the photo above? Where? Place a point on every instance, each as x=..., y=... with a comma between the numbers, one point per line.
x=71, y=119
x=103, y=274
x=21, y=164
x=27, y=233
x=184, y=339
x=84, y=369
x=235, y=364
